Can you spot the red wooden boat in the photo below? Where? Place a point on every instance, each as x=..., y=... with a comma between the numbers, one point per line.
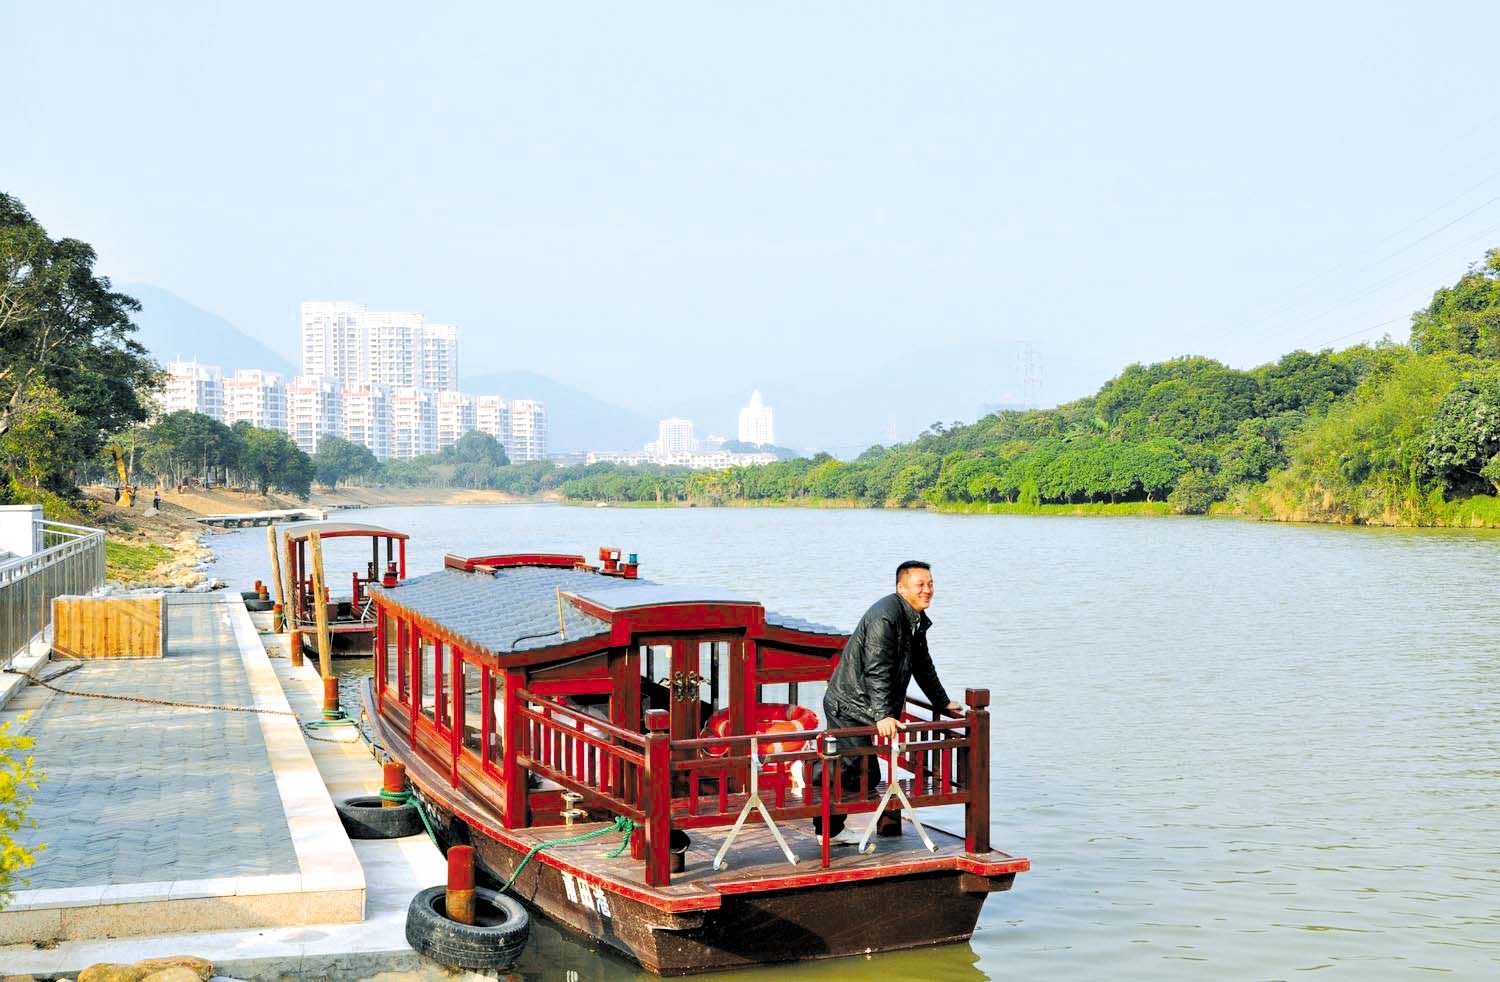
x=351, y=616
x=536, y=697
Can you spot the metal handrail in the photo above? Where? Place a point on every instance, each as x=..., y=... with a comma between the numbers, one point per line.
x=28, y=584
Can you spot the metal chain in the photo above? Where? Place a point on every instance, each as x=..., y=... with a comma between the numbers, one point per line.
x=149, y=702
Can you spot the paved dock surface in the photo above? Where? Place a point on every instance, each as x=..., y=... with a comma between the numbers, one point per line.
x=140, y=793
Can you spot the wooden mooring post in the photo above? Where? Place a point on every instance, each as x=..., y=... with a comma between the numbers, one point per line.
x=977, y=814
x=320, y=604
x=279, y=623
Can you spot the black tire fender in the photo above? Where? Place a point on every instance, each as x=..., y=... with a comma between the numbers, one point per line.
x=495, y=941
x=366, y=817
x=258, y=604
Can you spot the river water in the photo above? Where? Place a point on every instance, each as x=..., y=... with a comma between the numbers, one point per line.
x=1230, y=750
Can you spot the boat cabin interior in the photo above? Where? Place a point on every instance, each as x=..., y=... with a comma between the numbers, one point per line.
x=540, y=689
x=351, y=614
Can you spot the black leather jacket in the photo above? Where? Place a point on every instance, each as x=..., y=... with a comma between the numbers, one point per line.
x=886, y=650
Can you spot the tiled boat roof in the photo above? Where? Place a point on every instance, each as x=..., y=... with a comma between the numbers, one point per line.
x=515, y=609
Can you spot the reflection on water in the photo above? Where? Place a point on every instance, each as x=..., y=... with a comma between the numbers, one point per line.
x=1230, y=750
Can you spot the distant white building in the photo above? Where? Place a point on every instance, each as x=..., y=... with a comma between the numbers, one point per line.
x=256, y=397
x=756, y=422
x=194, y=388
x=440, y=356
x=492, y=416
x=455, y=416
x=528, y=431
x=314, y=409
x=350, y=343
x=620, y=457
x=367, y=418
x=413, y=422
x=330, y=339
x=714, y=460
x=675, y=436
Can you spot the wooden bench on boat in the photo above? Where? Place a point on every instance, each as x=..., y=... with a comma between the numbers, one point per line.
x=504, y=683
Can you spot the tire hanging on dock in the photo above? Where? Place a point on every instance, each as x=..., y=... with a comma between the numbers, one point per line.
x=367, y=817
x=495, y=940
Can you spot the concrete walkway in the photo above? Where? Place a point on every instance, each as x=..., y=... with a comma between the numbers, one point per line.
x=393, y=872
x=195, y=818
x=137, y=792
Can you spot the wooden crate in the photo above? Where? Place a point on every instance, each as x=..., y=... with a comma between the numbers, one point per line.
x=110, y=627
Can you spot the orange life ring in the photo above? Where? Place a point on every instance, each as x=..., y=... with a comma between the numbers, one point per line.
x=769, y=718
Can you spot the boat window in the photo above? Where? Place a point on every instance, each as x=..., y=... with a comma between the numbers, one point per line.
x=444, y=696
x=656, y=671
x=403, y=649
x=391, y=628
x=427, y=675
x=473, y=678
x=713, y=673
x=496, y=735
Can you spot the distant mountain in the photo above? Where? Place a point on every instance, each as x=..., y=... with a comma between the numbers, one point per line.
x=576, y=420
x=170, y=327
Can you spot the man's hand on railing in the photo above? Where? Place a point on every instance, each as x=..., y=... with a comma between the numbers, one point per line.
x=956, y=708
x=888, y=726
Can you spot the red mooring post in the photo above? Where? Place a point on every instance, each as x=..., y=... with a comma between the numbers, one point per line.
x=393, y=781
x=657, y=799
x=460, y=900
x=296, y=648
x=977, y=814
x=331, y=697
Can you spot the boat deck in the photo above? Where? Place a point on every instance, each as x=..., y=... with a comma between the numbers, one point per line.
x=755, y=862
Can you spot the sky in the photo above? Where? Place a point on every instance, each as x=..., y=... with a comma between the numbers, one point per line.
x=864, y=210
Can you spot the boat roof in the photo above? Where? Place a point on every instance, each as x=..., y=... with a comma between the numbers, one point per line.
x=515, y=609
x=327, y=530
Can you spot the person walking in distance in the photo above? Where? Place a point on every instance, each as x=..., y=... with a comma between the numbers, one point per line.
x=868, y=687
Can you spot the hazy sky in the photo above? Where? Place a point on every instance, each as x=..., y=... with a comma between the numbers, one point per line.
x=671, y=204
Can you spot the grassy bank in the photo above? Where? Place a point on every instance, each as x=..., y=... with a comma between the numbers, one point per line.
x=1154, y=508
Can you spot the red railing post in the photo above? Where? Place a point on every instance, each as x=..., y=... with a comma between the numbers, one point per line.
x=657, y=798
x=977, y=811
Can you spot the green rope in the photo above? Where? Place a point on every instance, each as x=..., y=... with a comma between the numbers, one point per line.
x=401, y=798
x=621, y=824
x=336, y=717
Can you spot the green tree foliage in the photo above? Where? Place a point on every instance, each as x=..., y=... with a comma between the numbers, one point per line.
x=476, y=447
x=1464, y=318
x=270, y=459
x=66, y=347
x=46, y=441
x=1463, y=436
x=19, y=777
x=337, y=460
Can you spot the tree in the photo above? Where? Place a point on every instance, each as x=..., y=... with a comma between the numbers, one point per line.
x=476, y=447
x=338, y=460
x=19, y=777
x=1302, y=381
x=1465, y=317
x=63, y=328
x=271, y=459
x=1463, y=436
x=46, y=442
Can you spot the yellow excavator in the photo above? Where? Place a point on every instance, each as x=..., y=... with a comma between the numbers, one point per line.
x=127, y=490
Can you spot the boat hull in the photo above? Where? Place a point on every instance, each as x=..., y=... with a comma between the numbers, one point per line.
x=828, y=920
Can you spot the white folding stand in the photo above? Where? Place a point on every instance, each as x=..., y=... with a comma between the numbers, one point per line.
x=893, y=787
x=754, y=802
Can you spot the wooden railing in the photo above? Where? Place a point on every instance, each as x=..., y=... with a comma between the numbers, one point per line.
x=946, y=761
x=582, y=753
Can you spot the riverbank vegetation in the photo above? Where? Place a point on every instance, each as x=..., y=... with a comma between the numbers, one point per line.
x=1383, y=433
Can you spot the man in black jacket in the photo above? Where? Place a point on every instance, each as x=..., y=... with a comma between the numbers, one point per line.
x=886, y=651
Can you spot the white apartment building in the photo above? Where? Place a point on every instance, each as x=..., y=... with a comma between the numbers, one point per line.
x=257, y=397
x=440, y=356
x=195, y=388
x=330, y=339
x=715, y=460
x=367, y=418
x=492, y=416
x=527, y=431
x=314, y=409
x=349, y=343
x=390, y=349
x=626, y=457
x=413, y=422
x=456, y=415
x=756, y=422
x=675, y=436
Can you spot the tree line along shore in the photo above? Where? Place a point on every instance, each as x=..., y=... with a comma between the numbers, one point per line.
x=1388, y=433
